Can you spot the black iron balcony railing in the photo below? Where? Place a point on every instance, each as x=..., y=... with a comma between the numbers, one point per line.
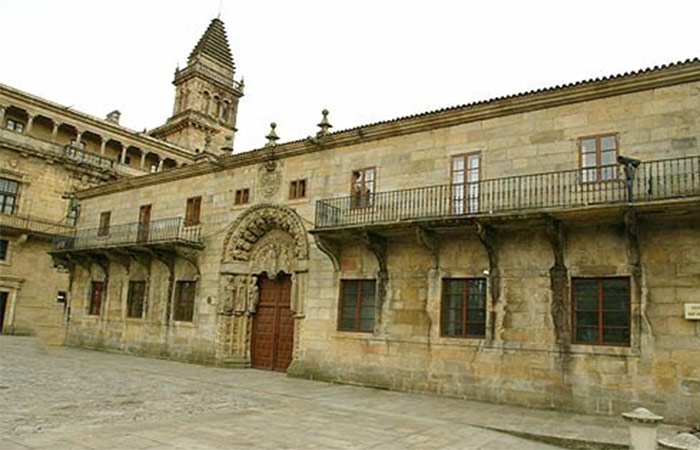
x=31, y=224
x=81, y=156
x=652, y=180
x=163, y=231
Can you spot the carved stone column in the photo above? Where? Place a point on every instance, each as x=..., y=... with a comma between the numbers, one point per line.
x=122, y=157
x=30, y=121
x=54, y=131
x=103, y=145
x=143, y=159
x=160, y=165
x=2, y=116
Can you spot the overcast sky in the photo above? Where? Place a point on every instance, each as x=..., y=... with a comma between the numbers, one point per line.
x=363, y=60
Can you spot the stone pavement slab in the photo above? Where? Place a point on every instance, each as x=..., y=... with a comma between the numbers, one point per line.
x=72, y=398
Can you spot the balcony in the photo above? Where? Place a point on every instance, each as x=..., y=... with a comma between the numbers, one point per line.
x=157, y=234
x=651, y=181
x=33, y=225
x=79, y=155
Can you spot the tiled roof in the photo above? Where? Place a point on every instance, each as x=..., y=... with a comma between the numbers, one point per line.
x=214, y=44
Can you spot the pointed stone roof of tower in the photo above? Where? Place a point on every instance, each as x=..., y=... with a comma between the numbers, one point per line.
x=214, y=44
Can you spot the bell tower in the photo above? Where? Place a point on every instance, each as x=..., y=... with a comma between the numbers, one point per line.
x=206, y=97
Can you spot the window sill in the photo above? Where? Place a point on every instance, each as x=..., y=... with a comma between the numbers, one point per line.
x=183, y=323
x=605, y=350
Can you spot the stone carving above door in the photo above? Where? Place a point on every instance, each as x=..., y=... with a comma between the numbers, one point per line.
x=270, y=177
x=257, y=222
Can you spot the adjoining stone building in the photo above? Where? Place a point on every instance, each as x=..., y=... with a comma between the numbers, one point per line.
x=48, y=151
x=536, y=249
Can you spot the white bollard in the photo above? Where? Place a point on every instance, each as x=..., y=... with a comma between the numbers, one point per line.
x=643, y=424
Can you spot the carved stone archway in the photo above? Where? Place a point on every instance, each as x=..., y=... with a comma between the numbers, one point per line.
x=269, y=239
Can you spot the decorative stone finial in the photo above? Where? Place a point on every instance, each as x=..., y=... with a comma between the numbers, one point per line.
x=324, y=125
x=272, y=137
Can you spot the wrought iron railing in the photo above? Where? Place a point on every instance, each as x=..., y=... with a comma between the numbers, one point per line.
x=651, y=180
x=33, y=224
x=81, y=156
x=172, y=230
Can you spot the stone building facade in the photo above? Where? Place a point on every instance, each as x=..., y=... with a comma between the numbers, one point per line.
x=536, y=249
x=49, y=151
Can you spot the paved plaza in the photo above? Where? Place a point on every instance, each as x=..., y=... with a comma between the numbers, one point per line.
x=80, y=399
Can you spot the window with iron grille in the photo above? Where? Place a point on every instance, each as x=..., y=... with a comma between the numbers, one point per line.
x=97, y=293
x=601, y=310
x=357, y=304
x=135, y=299
x=105, y=217
x=242, y=196
x=297, y=189
x=192, y=213
x=184, y=301
x=598, y=158
x=464, y=307
x=9, y=189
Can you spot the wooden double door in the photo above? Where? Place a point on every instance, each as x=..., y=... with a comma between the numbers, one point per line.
x=273, y=325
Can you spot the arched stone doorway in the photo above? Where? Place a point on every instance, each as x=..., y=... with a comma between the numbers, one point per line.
x=264, y=269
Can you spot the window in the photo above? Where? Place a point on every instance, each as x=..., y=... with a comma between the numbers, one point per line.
x=104, y=223
x=242, y=196
x=135, y=298
x=96, y=294
x=598, y=158
x=464, y=179
x=464, y=307
x=4, y=246
x=73, y=212
x=297, y=189
x=362, y=188
x=184, y=301
x=357, y=300
x=8, y=195
x=194, y=206
x=61, y=297
x=601, y=311
x=153, y=168
x=14, y=125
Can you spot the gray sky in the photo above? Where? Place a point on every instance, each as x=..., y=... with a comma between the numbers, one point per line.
x=363, y=60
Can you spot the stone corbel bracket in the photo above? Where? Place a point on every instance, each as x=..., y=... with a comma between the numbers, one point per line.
x=427, y=239
x=487, y=236
x=122, y=259
x=190, y=255
x=378, y=246
x=330, y=249
x=559, y=282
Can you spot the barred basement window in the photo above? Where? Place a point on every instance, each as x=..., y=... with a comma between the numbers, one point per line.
x=357, y=301
x=135, y=299
x=297, y=189
x=96, y=295
x=184, y=301
x=601, y=311
x=464, y=307
x=242, y=196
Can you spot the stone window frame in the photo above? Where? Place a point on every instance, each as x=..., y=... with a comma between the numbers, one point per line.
x=242, y=196
x=5, y=194
x=601, y=325
x=5, y=253
x=95, y=308
x=585, y=170
x=469, y=202
x=363, y=197
x=130, y=298
x=465, y=307
x=298, y=189
x=188, y=314
x=105, y=219
x=15, y=125
x=193, y=211
x=359, y=302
